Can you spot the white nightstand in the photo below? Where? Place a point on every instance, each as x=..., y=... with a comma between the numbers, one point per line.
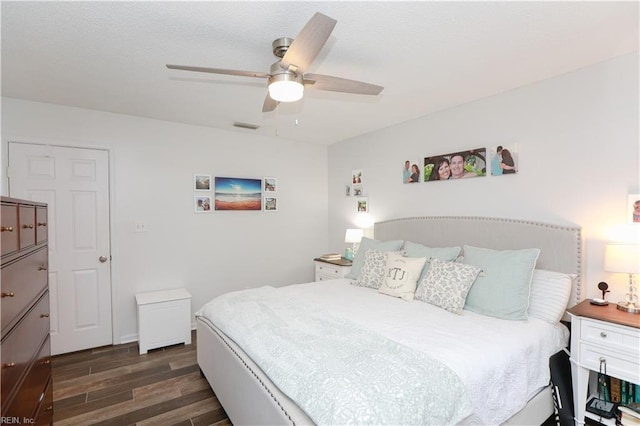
x=331, y=269
x=164, y=318
x=602, y=333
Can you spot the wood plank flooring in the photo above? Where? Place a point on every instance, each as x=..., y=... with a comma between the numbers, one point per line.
x=114, y=385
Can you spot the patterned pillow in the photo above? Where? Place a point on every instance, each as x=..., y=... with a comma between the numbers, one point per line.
x=447, y=285
x=401, y=275
x=373, y=268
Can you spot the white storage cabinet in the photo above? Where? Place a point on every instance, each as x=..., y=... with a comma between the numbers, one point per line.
x=164, y=318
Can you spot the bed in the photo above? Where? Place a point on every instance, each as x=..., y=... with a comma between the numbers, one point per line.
x=483, y=382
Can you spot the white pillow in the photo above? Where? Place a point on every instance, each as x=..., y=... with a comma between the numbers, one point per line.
x=401, y=276
x=447, y=284
x=550, y=292
x=373, y=269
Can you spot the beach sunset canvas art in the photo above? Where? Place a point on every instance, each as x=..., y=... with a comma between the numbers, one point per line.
x=238, y=194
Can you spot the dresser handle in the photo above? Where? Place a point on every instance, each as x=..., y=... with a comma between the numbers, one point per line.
x=44, y=315
x=603, y=334
x=6, y=228
x=10, y=294
x=46, y=362
x=9, y=365
x=42, y=268
x=42, y=223
x=25, y=226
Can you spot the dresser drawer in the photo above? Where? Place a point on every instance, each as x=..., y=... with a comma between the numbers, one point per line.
x=618, y=364
x=20, y=346
x=42, y=225
x=27, y=219
x=21, y=282
x=44, y=416
x=9, y=229
x=32, y=391
x=620, y=338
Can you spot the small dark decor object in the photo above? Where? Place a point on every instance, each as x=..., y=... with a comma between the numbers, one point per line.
x=601, y=407
x=604, y=288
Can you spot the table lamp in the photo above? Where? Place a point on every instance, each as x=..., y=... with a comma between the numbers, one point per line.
x=625, y=258
x=353, y=237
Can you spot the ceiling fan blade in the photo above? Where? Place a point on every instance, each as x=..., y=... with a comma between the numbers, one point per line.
x=219, y=71
x=269, y=104
x=307, y=44
x=337, y=84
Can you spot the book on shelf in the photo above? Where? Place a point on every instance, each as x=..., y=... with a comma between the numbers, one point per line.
x=331, y=256
x=628, y=416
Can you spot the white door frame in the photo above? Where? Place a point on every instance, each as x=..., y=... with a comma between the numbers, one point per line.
x=115, y=320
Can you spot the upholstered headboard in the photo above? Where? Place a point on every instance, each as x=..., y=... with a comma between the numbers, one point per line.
x=560, y=246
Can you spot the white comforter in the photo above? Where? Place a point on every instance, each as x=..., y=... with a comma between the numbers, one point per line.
x=503, y=363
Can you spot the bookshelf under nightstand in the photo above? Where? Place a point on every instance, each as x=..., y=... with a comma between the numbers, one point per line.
x=602, y=335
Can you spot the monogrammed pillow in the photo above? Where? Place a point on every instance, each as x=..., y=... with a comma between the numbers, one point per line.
x=401, y=276
x=373, y=269
x=447, y=284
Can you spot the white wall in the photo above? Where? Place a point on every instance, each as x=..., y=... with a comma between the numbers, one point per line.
x=153, y=163
x=578, y=146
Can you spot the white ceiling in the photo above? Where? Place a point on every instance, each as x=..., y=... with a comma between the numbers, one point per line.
x=429, y=56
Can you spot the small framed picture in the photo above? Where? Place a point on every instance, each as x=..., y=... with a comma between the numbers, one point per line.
x=356, y=190
x=202, y=182
x=202, y=204
x=634, y=208
x=347, y=191
x=270, y=204
x=356, y=177
x=270, y=184
x=363, y=205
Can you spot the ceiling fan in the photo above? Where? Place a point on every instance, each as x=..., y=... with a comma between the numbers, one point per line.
x=287, y=77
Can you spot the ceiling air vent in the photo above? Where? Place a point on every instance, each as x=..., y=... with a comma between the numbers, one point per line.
x=246, y=125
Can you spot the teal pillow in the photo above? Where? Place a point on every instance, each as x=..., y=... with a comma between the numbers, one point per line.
x=502, y=288
x=367, y=244
x=448, y=254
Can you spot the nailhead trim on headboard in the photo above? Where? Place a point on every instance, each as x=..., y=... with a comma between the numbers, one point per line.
x=575, y=231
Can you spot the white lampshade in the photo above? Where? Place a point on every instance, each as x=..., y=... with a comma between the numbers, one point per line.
x=623, y=258
x=353, y=235
x=286, y=90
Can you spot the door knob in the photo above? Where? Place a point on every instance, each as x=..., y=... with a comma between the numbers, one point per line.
x=102, y=259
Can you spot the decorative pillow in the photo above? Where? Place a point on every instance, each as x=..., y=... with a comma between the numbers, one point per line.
x=502, y=289
x=447, y=284
x=373, y=270
x=550, y=293
x=401, y=276
x=366, y=244
x=418, y=250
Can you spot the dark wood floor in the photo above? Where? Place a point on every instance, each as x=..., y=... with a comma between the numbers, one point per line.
x=114, y=385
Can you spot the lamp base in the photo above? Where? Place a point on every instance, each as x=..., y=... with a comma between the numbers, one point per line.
x=628, y=307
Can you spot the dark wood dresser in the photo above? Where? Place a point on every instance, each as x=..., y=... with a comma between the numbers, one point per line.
x=26, y=389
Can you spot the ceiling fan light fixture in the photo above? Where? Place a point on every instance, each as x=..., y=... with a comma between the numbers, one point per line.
x=286, y=87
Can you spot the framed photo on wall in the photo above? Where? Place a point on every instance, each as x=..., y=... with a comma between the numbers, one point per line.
x=634, y=208
x=356, y=177
x=201, y=182
x=238, y=194
x=504, y=160
x=363, y=204
x=270, y=184
x=202, y=204
x=270, y=204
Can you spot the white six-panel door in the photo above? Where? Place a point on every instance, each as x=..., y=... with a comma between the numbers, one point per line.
x=74, y=182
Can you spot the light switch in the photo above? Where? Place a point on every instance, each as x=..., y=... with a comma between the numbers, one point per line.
x=140, y=226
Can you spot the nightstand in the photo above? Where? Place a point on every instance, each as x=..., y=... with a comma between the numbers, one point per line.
x=601, y=335
x=331, y=269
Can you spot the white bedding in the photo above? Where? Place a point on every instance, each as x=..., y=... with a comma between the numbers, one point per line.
x=503, y=363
